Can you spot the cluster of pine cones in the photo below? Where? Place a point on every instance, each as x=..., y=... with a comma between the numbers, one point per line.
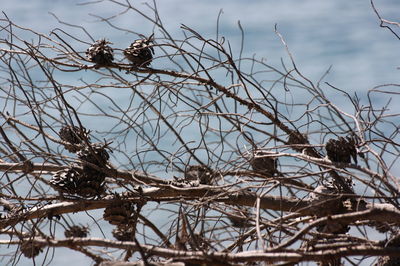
x=140, y=53
x=30, y=249
x=86, y=181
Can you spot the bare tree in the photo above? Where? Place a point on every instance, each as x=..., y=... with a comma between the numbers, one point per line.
x=177, y=151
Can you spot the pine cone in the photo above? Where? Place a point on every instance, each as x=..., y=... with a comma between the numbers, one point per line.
x=74, y=181
x=66, y=180
x=76, y=231
x=266, y=165
x=199, y=173
x=30, y=249
x=119, y=213
x=96, y=154
x=341, y=150
x=91, y=186
x=324, y=200
x=124, y=233
x=100, y=53
x=297, y=138
x=140, y=53
x=73, y=135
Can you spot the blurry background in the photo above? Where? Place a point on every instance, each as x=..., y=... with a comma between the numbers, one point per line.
x=342, y=34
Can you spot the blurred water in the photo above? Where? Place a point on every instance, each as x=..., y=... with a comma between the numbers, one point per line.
x=342, y=34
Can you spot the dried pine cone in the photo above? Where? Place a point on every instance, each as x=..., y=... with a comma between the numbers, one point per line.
x=73, y=135
x=124, y=233
x=261, y=163
x=66, y=180
x=296, y=138
x=96, y=154
x=90, y=186
x=324, y=200
x=199, y=173
x=140, y=53
x=119, y=213
x=75, y=181
x=341, y=150
x=100, y=53
x=76, y=231
x=30, y=249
